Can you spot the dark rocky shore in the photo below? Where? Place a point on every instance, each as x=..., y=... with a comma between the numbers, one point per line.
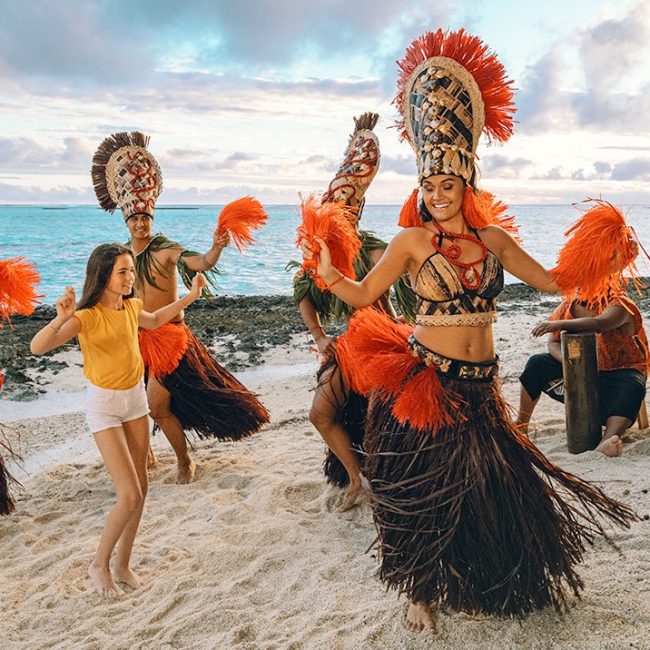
x=245, y=327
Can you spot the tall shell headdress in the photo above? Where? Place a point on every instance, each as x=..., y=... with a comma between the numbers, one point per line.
x=126, y=175
x=450, y=90
x=359, y=166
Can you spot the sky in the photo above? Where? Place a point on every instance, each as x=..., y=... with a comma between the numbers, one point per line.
x=257, y=96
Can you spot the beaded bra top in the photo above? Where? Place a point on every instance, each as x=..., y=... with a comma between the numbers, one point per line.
x=442, y=300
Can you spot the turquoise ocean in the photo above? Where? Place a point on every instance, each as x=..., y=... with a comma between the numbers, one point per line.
x=58, y=239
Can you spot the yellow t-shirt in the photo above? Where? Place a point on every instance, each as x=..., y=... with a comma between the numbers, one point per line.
x=108, y=339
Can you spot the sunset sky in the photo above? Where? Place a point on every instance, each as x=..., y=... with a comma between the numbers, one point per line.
x=257, y=97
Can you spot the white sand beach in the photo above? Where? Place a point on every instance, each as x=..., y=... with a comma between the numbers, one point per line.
x=253, y=555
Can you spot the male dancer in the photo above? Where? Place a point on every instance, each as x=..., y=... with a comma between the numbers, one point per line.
x=186, y=388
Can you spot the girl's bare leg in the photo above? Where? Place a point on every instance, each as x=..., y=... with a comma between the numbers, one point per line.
x=329, y=393
x=117, y=457
x=137, y=440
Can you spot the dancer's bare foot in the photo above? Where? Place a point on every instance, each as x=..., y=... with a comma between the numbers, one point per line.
x=152, y=461
x=350, y=498
x=419, y=617
x=128, y=577
x=103, y=582
x=612, y=446
x=186, y=471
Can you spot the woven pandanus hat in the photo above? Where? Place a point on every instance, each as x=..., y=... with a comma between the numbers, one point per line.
x=359, y=165
x=450, y=90
x=126, y=175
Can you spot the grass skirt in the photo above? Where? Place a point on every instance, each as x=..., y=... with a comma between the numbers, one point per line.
x=470, y=514
x=206, y=398
x=473, y=516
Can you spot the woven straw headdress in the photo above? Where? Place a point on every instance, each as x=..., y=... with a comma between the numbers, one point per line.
x=450, y=90
x=359, y=165
x=125, y=174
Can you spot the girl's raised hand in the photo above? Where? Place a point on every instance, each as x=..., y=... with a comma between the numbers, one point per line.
x=66, y=304
x=323, y=257
x=198, y=284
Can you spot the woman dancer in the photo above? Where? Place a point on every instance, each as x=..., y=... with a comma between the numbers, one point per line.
x=467, y=508
x=106, y=322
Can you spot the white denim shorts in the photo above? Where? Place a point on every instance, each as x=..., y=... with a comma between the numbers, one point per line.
x=106, y=408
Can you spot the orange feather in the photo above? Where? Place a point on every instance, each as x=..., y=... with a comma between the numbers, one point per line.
x=410, y=214
x=480, y=209
x=328, y=221
x=163, y=348
x=239, y=218
x=586, y=268
x=18, y=281
x=489, y=74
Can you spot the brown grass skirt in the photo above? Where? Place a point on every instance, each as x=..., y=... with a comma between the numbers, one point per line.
x=206, y=398
x=351, y=409
x=473, y=516
x=7, y=505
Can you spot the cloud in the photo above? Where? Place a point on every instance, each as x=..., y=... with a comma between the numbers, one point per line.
x=609, y=54
x=26, y=154
x=637, y=169
x=500, y=166
x=403, y=165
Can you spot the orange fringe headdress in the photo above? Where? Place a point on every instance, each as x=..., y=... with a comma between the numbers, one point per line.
x=359, y=166
x=450, y=90
x=18, y=281
x=240, y=218
x=328, y=221
x=598, y=250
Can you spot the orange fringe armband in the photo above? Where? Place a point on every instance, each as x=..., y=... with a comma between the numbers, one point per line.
x=163, y=348
x=18, y=281
x=480, y=209
x=239, y=218
x=328, y=221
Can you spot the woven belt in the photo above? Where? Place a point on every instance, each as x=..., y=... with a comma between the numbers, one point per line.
x=454, y=368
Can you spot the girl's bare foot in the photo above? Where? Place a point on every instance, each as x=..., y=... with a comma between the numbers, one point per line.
x=186, y=472
x=612, y=446
x=128, y=577
x=419, y=617
x=103, y=582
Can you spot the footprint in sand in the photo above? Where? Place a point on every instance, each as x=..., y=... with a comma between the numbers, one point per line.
x=301, y=494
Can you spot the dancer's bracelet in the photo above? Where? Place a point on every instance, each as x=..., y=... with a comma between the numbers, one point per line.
x=329, y=286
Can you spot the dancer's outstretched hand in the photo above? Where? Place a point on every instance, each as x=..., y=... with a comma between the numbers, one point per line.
x=66, y=304
x=220, y=239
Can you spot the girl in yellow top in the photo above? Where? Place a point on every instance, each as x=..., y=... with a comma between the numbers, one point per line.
x=106, y=322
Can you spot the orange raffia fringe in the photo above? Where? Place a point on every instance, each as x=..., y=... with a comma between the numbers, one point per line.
x=163, y=348
x=586, y=268
x=18, y=281
x=409, y=215
x=489, y=74
x=481, y=209
x=374, y=356
x=328, y=221
x=240, y=218
x=2, y=379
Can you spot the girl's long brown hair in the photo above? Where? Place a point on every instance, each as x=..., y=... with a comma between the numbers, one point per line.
x=98, y=271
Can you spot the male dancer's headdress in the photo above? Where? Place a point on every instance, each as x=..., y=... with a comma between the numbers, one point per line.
x=451, y=89
x=359, y=165
x=599, y=251
x=126, y=175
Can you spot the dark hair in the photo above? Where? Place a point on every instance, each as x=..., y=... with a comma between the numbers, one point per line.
x=98, y=271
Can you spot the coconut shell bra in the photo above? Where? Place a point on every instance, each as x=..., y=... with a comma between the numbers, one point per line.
x=442, y=300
